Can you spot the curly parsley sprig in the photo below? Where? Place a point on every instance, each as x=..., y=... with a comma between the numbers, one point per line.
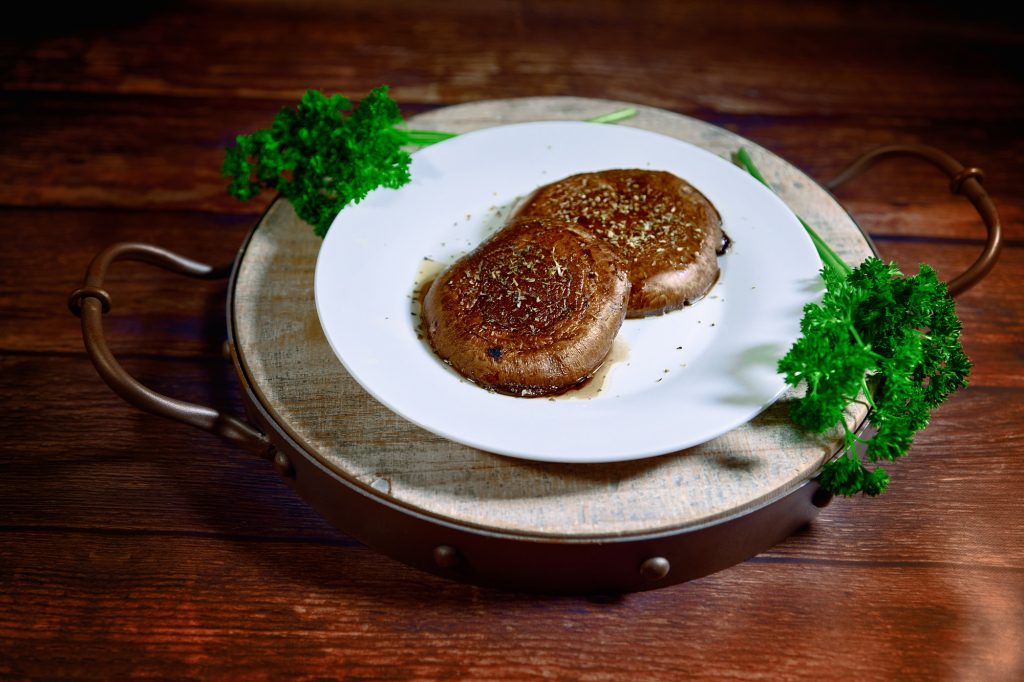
x=893, y=339
x=321, y=159
x=325, y=154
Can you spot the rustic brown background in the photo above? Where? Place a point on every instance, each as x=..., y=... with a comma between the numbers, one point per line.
x=129, y=545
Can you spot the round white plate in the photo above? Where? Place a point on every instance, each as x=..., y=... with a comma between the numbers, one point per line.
x=688, y=376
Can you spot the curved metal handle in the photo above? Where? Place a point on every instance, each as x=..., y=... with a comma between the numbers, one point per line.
x=91, y=301
x=963, y=180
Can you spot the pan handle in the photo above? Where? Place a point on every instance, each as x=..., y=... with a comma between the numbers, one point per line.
x=91, y=301
x=962, y=180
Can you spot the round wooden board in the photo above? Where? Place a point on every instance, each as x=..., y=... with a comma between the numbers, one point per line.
x=304, y=387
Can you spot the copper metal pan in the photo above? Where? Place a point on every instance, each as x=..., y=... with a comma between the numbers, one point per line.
x=587, y=565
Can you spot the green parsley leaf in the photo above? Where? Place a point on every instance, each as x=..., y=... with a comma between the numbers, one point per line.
x=873, y=329
x=325, y=155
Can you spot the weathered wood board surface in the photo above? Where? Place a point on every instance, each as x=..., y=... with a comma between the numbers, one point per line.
x=302, y=383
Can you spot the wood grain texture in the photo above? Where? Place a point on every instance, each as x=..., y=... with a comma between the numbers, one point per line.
x=176, y=317
x=81, y=151
x=327, y=617
x=134, y=547
x=681, y=56
x=130, y=472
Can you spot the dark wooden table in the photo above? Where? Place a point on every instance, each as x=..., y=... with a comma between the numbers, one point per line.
x=134, y=546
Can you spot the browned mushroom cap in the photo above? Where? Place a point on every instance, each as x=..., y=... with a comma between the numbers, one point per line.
x=666, y=231
x=531, y=312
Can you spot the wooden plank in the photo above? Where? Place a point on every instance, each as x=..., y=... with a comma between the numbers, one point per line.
x=950, y=498
x=165, y=153
x=949, y=220
x=954, y=499
x=691, y=57
x=111, y=152
x=113, y=466
x=45, y=258
x=188, y=607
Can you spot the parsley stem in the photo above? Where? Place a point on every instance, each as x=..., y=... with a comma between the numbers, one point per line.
x=425, y=138
x=853, y=330
x=420, y=138
x=867, y=393
x=860, y=342
x=613, y=117
x=829, y=257
x=851, y=437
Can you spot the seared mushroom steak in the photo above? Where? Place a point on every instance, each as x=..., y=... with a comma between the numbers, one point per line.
x=666, y=231
x=532, y=311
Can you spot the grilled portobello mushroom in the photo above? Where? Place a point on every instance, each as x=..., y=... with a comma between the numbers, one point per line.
x=532, y=311
x=666, y=231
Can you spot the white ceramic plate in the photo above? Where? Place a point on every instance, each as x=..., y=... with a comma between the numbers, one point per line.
x=688, y=376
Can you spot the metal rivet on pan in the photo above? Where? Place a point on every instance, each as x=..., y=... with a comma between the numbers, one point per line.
x=655, y=568
x=446, y=556
x=283, y=464
x=821, y=498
